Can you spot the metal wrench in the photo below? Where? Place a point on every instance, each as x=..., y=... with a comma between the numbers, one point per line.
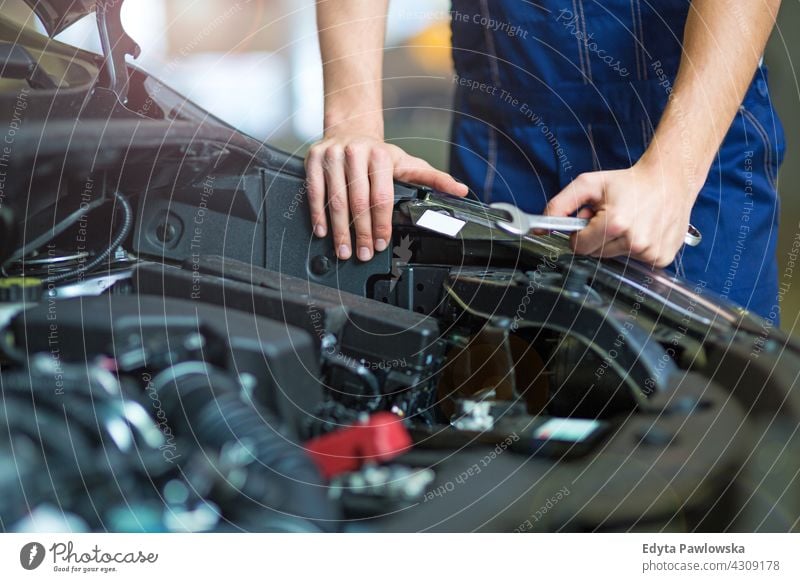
x=521, y=223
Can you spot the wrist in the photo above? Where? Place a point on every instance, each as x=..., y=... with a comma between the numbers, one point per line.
x=678, y=154
x=686, y=171
x=349, y=123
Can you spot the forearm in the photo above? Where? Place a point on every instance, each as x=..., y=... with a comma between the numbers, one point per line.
x=352, y=34
x=723, y=42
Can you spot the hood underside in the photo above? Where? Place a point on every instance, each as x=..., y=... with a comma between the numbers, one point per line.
x=57, y=15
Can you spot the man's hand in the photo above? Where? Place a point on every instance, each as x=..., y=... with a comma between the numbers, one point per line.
x=642, y=212
x=352, y=176
x=350, y=171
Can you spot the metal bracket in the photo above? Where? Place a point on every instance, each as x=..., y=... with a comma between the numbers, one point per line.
x=116, y=46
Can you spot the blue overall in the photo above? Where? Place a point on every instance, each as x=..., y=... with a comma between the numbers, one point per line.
x=549, y=89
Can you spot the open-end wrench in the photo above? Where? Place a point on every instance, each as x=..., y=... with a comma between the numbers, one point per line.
x=520, y=223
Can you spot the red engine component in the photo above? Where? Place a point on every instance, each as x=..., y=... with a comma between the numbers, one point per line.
x=379, y=439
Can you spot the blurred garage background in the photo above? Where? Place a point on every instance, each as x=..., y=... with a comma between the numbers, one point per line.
x=255, y=64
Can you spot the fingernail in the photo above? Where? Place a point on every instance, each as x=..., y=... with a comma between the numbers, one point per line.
x=344, y=252
x=380, y=245
x=364, y=254
x=319, y=230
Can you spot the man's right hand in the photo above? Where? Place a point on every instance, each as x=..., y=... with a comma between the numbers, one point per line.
x=353, y=177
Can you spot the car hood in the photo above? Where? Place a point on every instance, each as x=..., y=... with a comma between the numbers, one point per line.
x=57, y=15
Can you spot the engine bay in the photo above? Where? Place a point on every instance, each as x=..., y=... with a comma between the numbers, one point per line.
x=219, y=394
x=179, y=353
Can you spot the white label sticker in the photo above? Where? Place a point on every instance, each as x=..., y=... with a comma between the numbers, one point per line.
x=566, y=429
x=441, y=223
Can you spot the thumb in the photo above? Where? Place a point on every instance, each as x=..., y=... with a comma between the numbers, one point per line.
x=586, y=189
x=417, y=171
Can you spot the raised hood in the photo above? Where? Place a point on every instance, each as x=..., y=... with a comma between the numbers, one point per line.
x=56, y=15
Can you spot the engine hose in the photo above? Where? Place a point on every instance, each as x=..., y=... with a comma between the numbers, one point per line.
x=125, y=229
x=282, y=484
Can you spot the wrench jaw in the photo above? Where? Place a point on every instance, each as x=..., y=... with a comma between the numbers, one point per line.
x=510, y=228
x=518, y=223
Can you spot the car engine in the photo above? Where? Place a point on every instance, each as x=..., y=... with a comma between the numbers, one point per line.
x=178, y=352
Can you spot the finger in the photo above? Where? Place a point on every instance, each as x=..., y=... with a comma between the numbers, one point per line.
x=615, y=248
x=586, y=189
x=597, y=233
x=621, y=248
x=338, y=206
x=382, y=196
x=315, y=182
x=417, y=171
x=358, y=192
